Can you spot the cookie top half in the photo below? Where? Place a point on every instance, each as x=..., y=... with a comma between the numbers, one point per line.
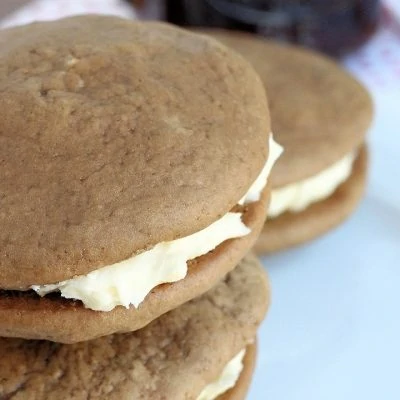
x=115, y=136
x=319, y=112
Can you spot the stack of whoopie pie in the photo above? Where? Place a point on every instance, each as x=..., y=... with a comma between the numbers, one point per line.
x=320, y=114
x=134, y=160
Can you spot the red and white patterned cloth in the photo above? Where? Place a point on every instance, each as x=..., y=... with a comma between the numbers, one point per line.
x=377, y=63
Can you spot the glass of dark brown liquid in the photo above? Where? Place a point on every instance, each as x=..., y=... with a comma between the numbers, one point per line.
x=331, y=26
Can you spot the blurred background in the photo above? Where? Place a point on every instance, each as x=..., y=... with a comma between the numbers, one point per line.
x=333, y=329
x=331, y=26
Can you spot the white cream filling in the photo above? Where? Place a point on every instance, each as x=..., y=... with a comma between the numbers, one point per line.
x=298, y=196
x=254, y=193
x=226, y=380
x=129, y=281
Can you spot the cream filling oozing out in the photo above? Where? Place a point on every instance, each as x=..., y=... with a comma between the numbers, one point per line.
x=298, y=196
x=129, y=281
x=226, y=380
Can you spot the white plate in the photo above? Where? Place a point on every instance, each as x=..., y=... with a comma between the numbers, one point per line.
x=333, y=329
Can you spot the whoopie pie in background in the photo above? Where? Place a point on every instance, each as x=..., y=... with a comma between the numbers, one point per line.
x=320, y=114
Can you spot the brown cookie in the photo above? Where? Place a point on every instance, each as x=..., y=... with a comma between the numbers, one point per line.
x=174, y=357
x=134, y=135
x=126, y=126
x=320, y=114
